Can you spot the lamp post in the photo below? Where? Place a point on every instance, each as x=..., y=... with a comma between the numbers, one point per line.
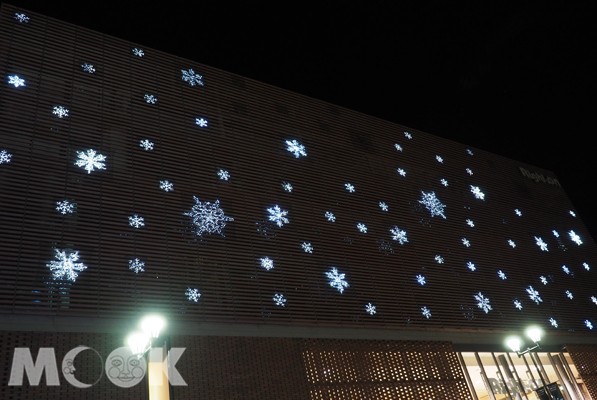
x=146, y=340
x=515, y=344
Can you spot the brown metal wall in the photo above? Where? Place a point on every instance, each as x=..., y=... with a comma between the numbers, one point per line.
x=583, y=357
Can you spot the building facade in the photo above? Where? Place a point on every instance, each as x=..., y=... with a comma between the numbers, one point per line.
x=298, y=249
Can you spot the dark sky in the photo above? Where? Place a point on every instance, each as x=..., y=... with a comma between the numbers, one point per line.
x=518, y=80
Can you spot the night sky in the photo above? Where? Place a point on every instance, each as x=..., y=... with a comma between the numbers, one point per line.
x=517, y=80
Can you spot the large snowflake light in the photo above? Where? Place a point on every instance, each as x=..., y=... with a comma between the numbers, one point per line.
x=60, y=111
x=65, y=265
x=294, y=147
x=90, y=160
x=483, y=302
x=192, y=294
x=191, y=77
x=5, y=157
x=433, y=205
x=16, y=81
x=336, y=279
x=534, y=295
x=475, y=190
x=575, y=238
x=542, y=245
x=278, y=215
x=398, y=235
x=208, y=217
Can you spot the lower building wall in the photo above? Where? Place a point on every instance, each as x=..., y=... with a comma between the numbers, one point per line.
x=585, y=359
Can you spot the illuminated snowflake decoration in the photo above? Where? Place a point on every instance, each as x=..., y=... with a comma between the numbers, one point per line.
x=542, y=245
x=279, y=299
x=166, y=186
x=477, y=192
x=534, y=295
x=569, y=294
x=553, y=322
x=90, y=160
x=421, y=280
x=555, y=233
x=136, y=265
x=65, y=207
x=566, y=270
x=466, y=242
x=223, y=175
x=201, y=122
x=439, y=159
x=16, y=81
x=136, y=221
x=330, y=216
x=401, y=172
x=398, y=235
x=150, y=99
x=296, y=148
x=575, y=238
x=517, y=304
x=362, y=227
x=439, y=259
x=89, y=68
x=470, y=265
x=370, y=309
x=518, y=212
x=146, y=144
x=470, y=223
x=469, y=152
x=594, y=299
x=307, y=247
x=426, y=312
x=572, y=213
x=585, y=265
x=60, y=111
x=483, y=302
x=398, y=147
x=432, y=204
x=22, y=18
x=469, y=171
x=5, y=157
x=543, y=280
x=287, y=187
x=65, y=265
x=502, y=275
x=383, y=206
x=277, y=215
x=192, y=294
x=336, y=279
x=266, y=263
x=408, y=135
x=511, y=243
x=589, y=324
x=191, y=77
x=444, y=182
x=208, y=217
x=349, y=187
x=138, y=52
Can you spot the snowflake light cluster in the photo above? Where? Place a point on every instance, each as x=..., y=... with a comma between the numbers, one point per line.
x=65, y=265
x=433, y=205
x=207, y=217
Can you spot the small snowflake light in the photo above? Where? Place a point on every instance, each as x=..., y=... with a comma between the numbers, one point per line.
x=566, y=270
x=223, y=175
x=16, y=81
x=266, y=263
x=138, y=52
x=543, y=279
x=146, y=144
x=589, y=324
x=518, y=212
x=349, y=187
x=477, y=192
x=425, y=312
x=191, y=77
x=65, y=265
x=401, y=171
x=469, y=152
x=432, y=204
x=294, y=147
x=398, y=235
x=89, y=68
x=166, y=186
x=60, y=111
x=553, y=322
x=421, y=280
x=439, y=159
x=466, y=242
x=201, y=122
x=517, y=304
x=192, y=294
x=572, y=213
x=439, y=259
x=470, y=265
x=362, y=227
x=22, y=18
x=542, y=245
x=136, y=221
x=370, y=309
x=383, y=206
x=470, y=223
x=136, y=265
x=330, y=216
x=207, y=217
x=575, y=238
x=336, y=279
x=555, y=233
x=5, y=157
x=398, y=147
x=483, y=302
x=408, y=135
x=569, y=294
x=279, y=299
x=287, y=187
x=444, y=182
x=307, y=247
x=502, y=275
x=90, y=160
x=585, y=265
x=150, y=98
x=534, y=295
x=278, y=215
x=594, y=299
x=511, y=243
x=469, y=171
x=65, y=207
